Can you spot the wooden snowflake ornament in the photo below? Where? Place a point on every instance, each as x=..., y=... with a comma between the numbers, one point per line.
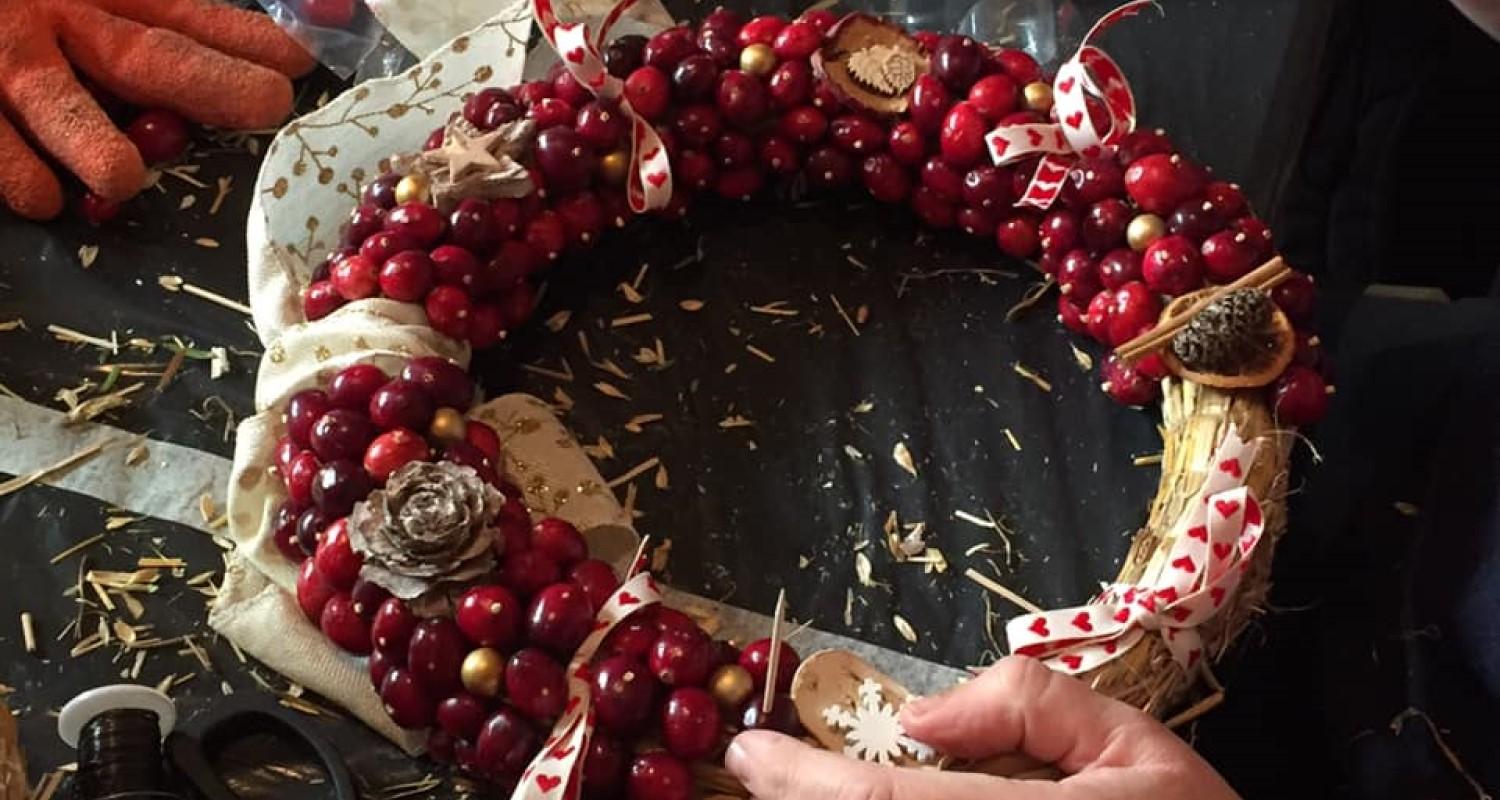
x=872, y=728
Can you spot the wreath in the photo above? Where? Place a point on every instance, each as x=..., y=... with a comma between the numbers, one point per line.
x=468, y=558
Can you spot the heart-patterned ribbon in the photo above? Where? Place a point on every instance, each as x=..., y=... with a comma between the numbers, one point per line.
x=649, y=186
x=1213, y=543
x=556, y=772
x=1090, y=73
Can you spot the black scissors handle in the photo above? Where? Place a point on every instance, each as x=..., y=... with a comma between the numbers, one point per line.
x=239, y=714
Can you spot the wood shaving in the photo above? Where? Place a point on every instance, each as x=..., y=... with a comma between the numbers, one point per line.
x=864, y=570
x=1399, y=722
x=136, y=455
x=636, y=471
x=864, y=407
x=601, y=451
x=558, y=321
x=637, y=422
x=844, y=315
x=994, y=586
x=1084, y=361
x=629, y=293
x=174, y=283
x=103, y=404
x=1406, y=509
x=630, y=319
x=28, y=632
x=610, y=390
x=561, y=399
x=13, y=324
x=660, y=555
x=903, y=458
x=776, y=309
x=1150, y=459
x=565, y=374
x=904, y=628
x=207, y=508
x=22, y=481
x=691, y=305
x=661, y=477
x=735, y=421
x=187, y=202
x=760, y=354
x=1015, y=443
x=88, y=254
x=204, y=241
x=1033, y=295
x=70, y=336
x=608, y=365
x=77, y=548
x=224, y=184
x=1032, y=375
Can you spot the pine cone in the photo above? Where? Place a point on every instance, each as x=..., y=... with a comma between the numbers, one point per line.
x=1229, y=336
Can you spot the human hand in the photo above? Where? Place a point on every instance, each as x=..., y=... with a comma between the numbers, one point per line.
x=210, y=62
x=1106, y=749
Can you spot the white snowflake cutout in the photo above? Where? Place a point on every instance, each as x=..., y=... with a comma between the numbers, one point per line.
x=872, y=728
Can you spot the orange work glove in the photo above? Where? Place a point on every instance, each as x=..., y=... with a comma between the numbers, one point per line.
x=212, y=63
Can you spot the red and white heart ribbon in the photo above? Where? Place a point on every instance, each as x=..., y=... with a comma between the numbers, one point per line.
x=1089, y=73
x=1214, y=542
x=556, y=772
x=650, y=183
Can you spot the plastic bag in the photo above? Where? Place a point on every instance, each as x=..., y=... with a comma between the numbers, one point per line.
x=340, y=48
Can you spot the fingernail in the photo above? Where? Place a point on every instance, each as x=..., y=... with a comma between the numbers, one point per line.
x=916, y=707
x=737, y=758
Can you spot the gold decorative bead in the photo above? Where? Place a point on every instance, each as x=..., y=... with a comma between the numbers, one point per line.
x=758, y=60
x=482, y=672
x=1038, y=97
x=614, y=167
x=731, y=685
x=1143, y=230
x=448, y=425
x=412, y=189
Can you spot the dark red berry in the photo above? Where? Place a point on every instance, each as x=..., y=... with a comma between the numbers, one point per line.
x=778, y=155
x=994, y=96
x=957, y=61
x=1126, y=384
x=760, y=30
x=406, y=701
x=505, y=745
x=435, y=655
x=401, y=404
x=1296, y=297
x=934, y=210
x=804, y=125
x=392, y=628
x=1301, y=396
x=337, y=561
x=597, y=579
x=885, y=178
x=943, y=179
x=756, y=658
x=302, y=411
x=364, y=222
x=1227, y=256
x=791, y=84
x=1093, y=180
x=96, y=210
x=828, y=168
x=693, y=79
x=929, y=103
x=380, y=666
x=1073, y=315
x=379, y=247
x=461, y=715
x=1139, y=144
x=1017, y=237
x=343, y=627
x=472, y=226
x=781, y=717
x=624, y=55
x=1059, y=232
x=741, y=98
x=159, y=135
x=419, y=221
x=1136, y=309
x=1019, y=65
x=1119, y=267
x=603, y=767
x=406, y=276
x=340, y=433
x=1104, y=224
x=624, y=694
x=536, y=684
x=961, y=138
x=559, y=540
x=565, y=158
x=552, y=112
x=649, y=91
x=1078, y=275
x=526, y=572
x=683, y=657
x=632, y=638
x=1172, y=266
x=320, y=299
x=988, y=188
x=1158, y=183
x=448, y=309
x=690, y=723
x=906, y=143
x=666, y=49
x=559, y=618
x=313, y=590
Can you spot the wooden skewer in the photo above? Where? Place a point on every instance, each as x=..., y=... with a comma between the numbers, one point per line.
x=1266, y=276
x=771, y=669
x=635, y=561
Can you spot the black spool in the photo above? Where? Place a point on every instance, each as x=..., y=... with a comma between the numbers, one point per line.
x=120, y=758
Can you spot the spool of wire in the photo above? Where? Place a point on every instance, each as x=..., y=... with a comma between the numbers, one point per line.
x=118, y=732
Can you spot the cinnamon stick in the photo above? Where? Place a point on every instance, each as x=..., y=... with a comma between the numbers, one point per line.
x=1266, y=276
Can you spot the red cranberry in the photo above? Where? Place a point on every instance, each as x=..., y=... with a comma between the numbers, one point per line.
x=1301, y=396
x=1296, y=297
x=527, y=572
x=1104, y=224
x=505, y=744
x=311, y=524
x=1152, y=366
x=1172, y=266
x=961, y=139
x=761, y=30
x=381, y=192
x=779, y=156
x=353, y=385
x=693, y=79
x=471, y=226
x=1020, y=66
x=421, y=222
x=976, y=221
x=934, y=210
x=1227, y=256
x=1158, y=183
x=392, y=628
x=826, y=99
x=666, y=49
x=648, y=91
x=1059, y=232
x=536, y=684
x=1093, y=180
x=401, y=404
x=478, y=105
x=756, y=658
x=364, y=222
x=632, y=638
x=957, y=61
x=906, y=143
x=499, y=114
x=287, y=449
x=1017, y=237
x=828, y=168
x=741, y=98
x=455, y=266
x=695, y=170
x=547, y=233
x=461, y=715
x=393, y=450
x=720, y=46
x=379, y=247
x=406, y=701
x=96, y=210
x=1136, y=309
x=722, y=20
x=380, y=666
x=690, y=723
x=560, y=541
x=987, y=187
x=302, y=411
x=624, y=694
x=820, y=18
x=159, y=135
x=1196, y=219
x=885, y=178
x=467, y=455
x=596, y=579
x=565, y=159
x=697, y=126
x=781, y=717
x=857, y=134
x=994, y=96
x=341, y=433
x=683, y=657
x=797, y=41
x=624, y=55
x=1256, y=233
x=284, y=532
x=658, y=776
x=939, y=176
x=336, y=560
x=355, y=277
x=448, y=309
x=1119, y=267
x=1078, y=275
x=1126, y=384
x=435, y=655
x=565, y=87
x=740, y=183
x=1139, y=144
x=804, y=125
x=583, y=217
x=734, y=149
x=559, y=618
x=552, y=112
x=343, y=627
x=320, y=299
x=603, y=767
x=406, y=276
x=313, y=590
x=1100, y=315
x=444, y=381
x=490, y=616
x=929, y=103
x=1073, y=315
x=670, y=619
x=791, y=84
x=434, y=139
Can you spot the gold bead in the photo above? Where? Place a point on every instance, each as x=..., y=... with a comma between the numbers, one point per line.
x=412, y=189
x=1143, y=230
x=1038, y=97
x=758, y=60
x=448, y=425
x=614, y=167
x=482, y=671
x=731, y=685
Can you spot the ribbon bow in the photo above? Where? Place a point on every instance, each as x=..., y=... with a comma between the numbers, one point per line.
x=1090, y=73
x=557, y=771
x=650, y=183
x=1214, y=542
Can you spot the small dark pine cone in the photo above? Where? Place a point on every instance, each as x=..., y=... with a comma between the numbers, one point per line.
x=1228, y=335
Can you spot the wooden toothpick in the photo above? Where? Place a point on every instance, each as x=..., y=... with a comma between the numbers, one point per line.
x=771, y=669
x=635, y=560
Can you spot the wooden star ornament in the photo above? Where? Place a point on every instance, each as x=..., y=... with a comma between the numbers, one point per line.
x=474, y=163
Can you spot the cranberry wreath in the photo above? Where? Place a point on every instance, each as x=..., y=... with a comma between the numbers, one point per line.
x=528, y=662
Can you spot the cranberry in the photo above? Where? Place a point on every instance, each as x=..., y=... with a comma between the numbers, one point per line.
x=368, y=597
x=994, y=96
x=1017, y=237
x=1078, y=275
x=1072, y=314
x=781, y=717
x=820, y=18
x=694, y=77
x=455, y=266
x=987, y=187
x=336, y=560
x=670, y=619
x=828, y=168
x=490, y=616
x=632, y=638
x=467, y=455
x=547, y=233
x=583, y=217
x=1159, y=182
x=779, y=156
x=1227, y=256
x=343, y=627
x=302, y=411
x=976, y=221
x=648, y=90
x=565, y=87
x=552, y=112
x=1301, y=396
x=690, y=723
x=1196, y=219
x=1059, y=232
x=421, y=222
x=559, y=618
x=353, y=385
x=96, y=210
x=1119, y=267
x=906, y=143
x=434, y=139
x=942, y=178
x=658, y=776
x=1152, y=366
x=448, y=309
x=406, y=701
x=929, y=103
x=311, y=523
x=320, y=299
x=1104, y=224
x=1257, y=233
x=435, y=655
x=478, y=105
x=565, y=159
x=526, y=572
x=393, y=450
x=624, y=55
x=340, y=433
x=466, y=757
x=1139, y=144
x=1136, y=309
x=338, y=485
x=500, y=114
x=961, y=139
x=159, y=135
x=484, y=438
x=1172, y=265
x=1100, y=314
x=505, y=215
x=666, y=49
x=313, y=590
x=857, y=134
x=596, y=579
x=1093, y=180
x=461, y=715
x=957, y=61
x=560, y=541
x=756, y=657
x=741, y=98
x=392, y=628
x=603, y=767
x=934, y=210
x=536, y=684
x=1296, y=297
x=683, y=657
x=791, y=84
x=734, y=149
x=380, y=666
x=355, y=277
x=402, y=404
x=1020, y=66
x=760, y=30
x=379, y=247
x=1126, y=384
x=720, y=46
x=364, y=222
x=722, y=20
x=381, y=192
x=804, y=125
x=284, y=532
x=287, y=449
x=505, y=744
x=1227, y=198
x=885, y=178
x=624, y=693
x=445, y=382
x=825, y=98
x=406, y=276
x=695, y=170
